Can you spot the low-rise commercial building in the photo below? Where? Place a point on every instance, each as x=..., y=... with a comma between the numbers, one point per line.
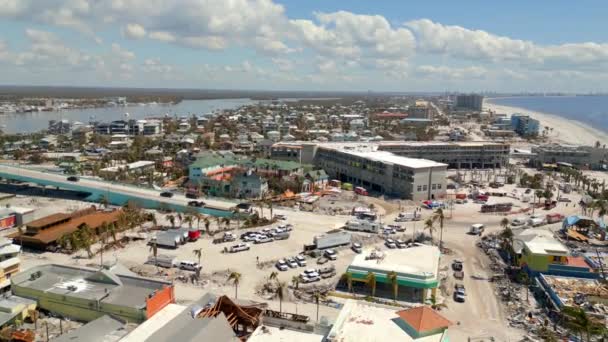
x=383, y=172
x=86, y=294
x=139, y=167
x=417, y=270
x=361, y=321
x=478, y=154
x=9, y=262
x=44, y=232
x=595, y=158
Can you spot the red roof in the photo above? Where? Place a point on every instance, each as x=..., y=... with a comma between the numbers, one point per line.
x=577, y=262
x=423, y=319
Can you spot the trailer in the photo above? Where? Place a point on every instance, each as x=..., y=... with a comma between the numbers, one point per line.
x=405, y=217
x=496, y=208
x=363, y=226
x=332, y=239
x=167, y=239
x=161, y=260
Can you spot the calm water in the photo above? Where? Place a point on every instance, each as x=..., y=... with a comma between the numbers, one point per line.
x=591, y=110
x=31, y=122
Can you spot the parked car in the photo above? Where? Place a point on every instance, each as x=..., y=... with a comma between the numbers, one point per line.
x=401, y=244
x=191, y=195
x=73, y=179
x=280, y=217
x=282, y=265
x=518, y=221
x=311, y=272
x=166, y=194
x=390, y=243
x=308, y=279
x=331, y=254
x=476, y=229
x=301, y=260
x=457, y=265
x=322, y=260
x=197, y=204
x=263, y=239
x=188, y=265
x=292, y=263
x=239, y=248
x=459, y=297
x=460, y=289
x=357, y=248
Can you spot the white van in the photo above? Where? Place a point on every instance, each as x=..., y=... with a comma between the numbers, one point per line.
x=476, y=229
x=189, y=265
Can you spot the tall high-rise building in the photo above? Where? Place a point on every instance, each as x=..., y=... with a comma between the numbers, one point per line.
x=470, y=101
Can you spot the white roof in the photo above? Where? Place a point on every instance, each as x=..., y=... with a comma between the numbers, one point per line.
x=272, y=334
x=546, y=245
x=420, y=260
x=364, y=322
x=149, y=327
x=390, y=158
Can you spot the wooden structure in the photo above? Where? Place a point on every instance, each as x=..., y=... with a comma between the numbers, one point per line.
x=243, y=319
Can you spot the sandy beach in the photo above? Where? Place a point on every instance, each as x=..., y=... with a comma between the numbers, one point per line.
x=564, y=130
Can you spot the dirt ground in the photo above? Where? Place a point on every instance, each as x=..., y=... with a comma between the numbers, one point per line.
x=482, y=315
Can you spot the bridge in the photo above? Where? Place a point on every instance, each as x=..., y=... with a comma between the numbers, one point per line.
x=115, y=193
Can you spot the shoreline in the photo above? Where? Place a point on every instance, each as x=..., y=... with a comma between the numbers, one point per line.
x=565, y=131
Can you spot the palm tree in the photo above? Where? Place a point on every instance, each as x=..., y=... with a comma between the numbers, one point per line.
x=370, y=278
x=207, y=224
x=236, y=279
x=348, y=278
x=438, y=216
x=576, y=320
x=171, y=219
x=280, y=294
x=392, y=277
x=429, y=225
x=188, y=220
x=273, y=276
x=180, y=218
x=154, y=251
x=86, y=239
x=504, y=223
x=317, y=297
x=295, y=282
x=104, y=201
x=199, y=254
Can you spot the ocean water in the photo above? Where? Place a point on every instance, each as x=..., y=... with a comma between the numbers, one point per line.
x=590, y=110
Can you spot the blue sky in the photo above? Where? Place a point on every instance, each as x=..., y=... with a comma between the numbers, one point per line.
x=307, y=45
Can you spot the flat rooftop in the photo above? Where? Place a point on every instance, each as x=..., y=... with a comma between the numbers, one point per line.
x=271, y=334
x=546, y=245
x=371, y=152
x=417, y=262
x=364, y=322
x=89, y=284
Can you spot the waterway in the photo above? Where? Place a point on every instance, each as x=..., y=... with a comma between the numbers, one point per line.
x=36, y=121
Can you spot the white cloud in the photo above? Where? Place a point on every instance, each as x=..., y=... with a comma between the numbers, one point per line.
x=463, y=43
x=445, y=72
x=283, y=64
x=134, y=31
x=162, y=36
x=122, y=53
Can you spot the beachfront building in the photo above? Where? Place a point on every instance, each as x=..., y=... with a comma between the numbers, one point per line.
x=524, y=125
x=362, y=321
x=85, y=294
x=544, y=254
x=383, y=172
x=470, y=101
x=416, y=268
x=594, y=158
x=476, y=154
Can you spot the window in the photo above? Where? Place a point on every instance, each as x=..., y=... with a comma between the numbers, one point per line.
x=438, y=186
x=434, y=187
x=424, y=188
x=419, y=188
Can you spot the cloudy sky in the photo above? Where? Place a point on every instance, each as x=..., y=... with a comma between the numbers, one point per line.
x=307, y=44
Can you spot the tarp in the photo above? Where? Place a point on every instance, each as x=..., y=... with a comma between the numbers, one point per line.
x=573, y=220
x=576, y=235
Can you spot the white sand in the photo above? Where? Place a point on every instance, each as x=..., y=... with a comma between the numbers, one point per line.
x=564, y=130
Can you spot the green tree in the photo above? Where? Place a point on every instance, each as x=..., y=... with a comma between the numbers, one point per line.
x=392, y=278
x=235, y=277
x=295, y=282
x=198, y=253
x=370, y=279
x=154, y=251
x=429, y=225
x=577, y=320
x=317, y=296
x=171, y=219
x=207, y=224
x=438, y=216
x=504, y=223
x=280, y=293
x=85, y=236
x=347, y=277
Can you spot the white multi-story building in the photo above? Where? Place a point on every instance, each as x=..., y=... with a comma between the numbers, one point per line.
x=9, y=262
